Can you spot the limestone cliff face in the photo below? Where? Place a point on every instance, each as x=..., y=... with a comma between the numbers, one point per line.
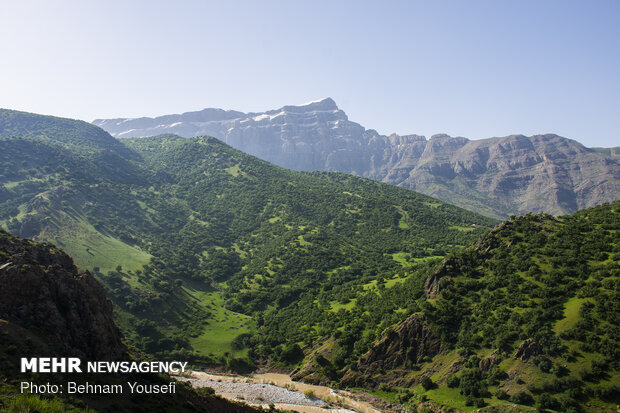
x=42, y=292
x=497, y=177
x=311, y=137
x=515, y=174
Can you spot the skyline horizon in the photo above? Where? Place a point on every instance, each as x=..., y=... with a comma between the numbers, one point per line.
x=367, y=127
x=476, y=69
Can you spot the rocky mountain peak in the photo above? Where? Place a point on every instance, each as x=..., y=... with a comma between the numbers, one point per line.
x=438, y=136
x=321, y=104
x=496, y=177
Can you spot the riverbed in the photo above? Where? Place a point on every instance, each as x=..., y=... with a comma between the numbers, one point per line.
x=281, y=391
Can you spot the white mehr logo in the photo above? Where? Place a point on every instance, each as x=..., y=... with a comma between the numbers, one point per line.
x=51, y=365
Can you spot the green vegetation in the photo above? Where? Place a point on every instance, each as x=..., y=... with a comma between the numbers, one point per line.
x=217, y=339
x=212, y=254
x=218, y=257
x=23, y=403
x=92, y=249
x=571, y=314
x=528, y=315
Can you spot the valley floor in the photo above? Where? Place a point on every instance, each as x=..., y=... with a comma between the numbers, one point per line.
x=281, y=391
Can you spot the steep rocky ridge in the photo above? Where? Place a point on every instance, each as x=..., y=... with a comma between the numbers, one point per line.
x=496, y=176
x=42, y=291
x=613, y=152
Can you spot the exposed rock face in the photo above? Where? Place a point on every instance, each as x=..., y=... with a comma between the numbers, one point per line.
x=403, y=347
x=527, y=349
x=311, y=137
x=438, y=279
x=496, y=177
x=448, y=268
x=42, y=292
x=613, y=152
x=488, y=362
x=204, y=122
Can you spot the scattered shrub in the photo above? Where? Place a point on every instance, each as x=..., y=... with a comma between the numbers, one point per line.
x=501, y=395
x=479, y=402
x=428, y=384
x=522, y=398
x=207, y=391
x=469, y=400
x=453, y=381
x=547, y=401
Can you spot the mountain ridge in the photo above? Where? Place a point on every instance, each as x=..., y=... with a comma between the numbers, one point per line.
x=528, y=314
x=494, y=176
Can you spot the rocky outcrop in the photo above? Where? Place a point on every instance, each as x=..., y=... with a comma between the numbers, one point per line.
x=527, y=349
x=488, y=362
x=437, y=280
x=450, y=268
x=317, y=368
x=42, y=292
x=402, y=347
x=497, y=176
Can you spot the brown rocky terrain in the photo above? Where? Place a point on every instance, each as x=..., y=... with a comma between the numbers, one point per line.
x=42, y=291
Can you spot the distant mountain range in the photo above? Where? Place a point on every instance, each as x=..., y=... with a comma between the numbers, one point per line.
x=496, y=177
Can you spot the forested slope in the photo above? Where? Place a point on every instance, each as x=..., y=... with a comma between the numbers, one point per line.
x=203, y=248
x=528, y=315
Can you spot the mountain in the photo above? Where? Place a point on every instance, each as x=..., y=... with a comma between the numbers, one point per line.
x=71, y=133
x=212, y=254
x=496, y=177
x=48, y=308
x=613, y=152
x=527, y=315
x=216, y=257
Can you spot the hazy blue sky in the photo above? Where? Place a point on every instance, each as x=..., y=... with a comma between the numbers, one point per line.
x=470, y=68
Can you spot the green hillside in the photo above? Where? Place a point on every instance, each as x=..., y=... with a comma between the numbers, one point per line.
x=529, y=316
x=212, y=253
x=217, y=257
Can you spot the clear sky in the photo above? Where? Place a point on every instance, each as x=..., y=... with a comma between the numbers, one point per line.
x=467, y=68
